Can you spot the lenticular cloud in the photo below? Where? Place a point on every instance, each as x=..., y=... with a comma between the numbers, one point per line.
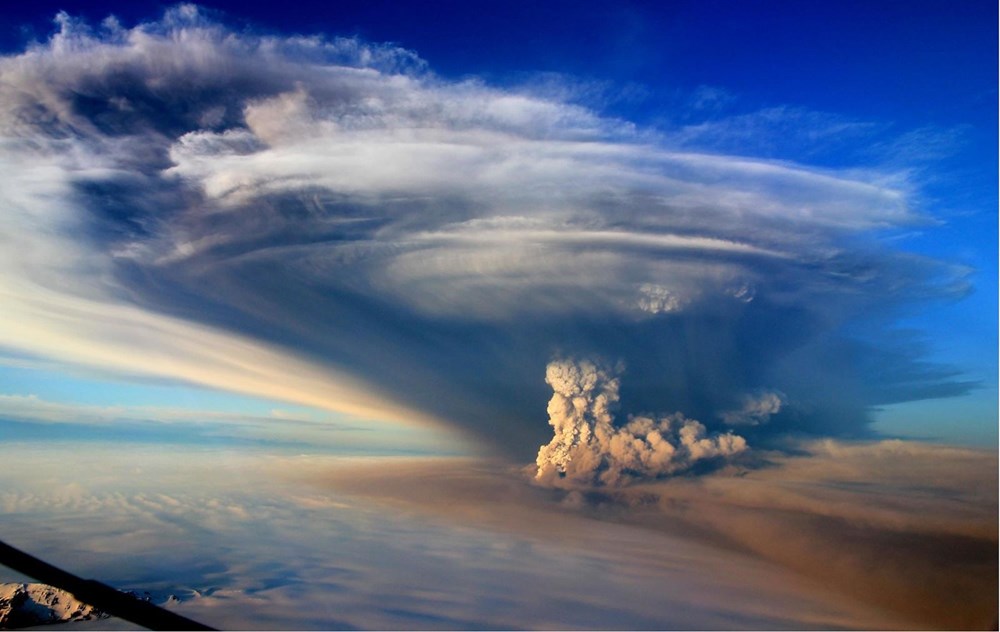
x=589, y=449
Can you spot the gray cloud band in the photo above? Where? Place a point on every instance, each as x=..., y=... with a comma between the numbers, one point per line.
x=327, y=222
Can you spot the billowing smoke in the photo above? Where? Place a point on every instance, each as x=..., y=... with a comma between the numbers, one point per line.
x=588, y=449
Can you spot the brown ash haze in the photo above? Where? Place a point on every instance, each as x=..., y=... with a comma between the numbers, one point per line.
x=888, y=535
x=326, y=223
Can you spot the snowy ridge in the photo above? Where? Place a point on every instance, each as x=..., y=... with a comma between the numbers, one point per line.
x=25, y=605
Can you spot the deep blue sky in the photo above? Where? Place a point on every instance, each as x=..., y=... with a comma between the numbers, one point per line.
x=917, y=62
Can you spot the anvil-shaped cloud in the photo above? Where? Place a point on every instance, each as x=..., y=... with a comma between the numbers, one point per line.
x=327, y=222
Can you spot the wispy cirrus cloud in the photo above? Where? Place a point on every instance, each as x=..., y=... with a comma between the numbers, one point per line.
x=325, y=221
x=779, y=132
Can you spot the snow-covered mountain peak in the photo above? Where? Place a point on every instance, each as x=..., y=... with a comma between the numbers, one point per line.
x=25, y=605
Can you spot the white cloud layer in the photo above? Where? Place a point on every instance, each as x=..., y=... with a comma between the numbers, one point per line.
x=250, y=541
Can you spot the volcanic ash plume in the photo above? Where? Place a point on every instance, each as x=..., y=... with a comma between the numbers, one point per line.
x=589, y=449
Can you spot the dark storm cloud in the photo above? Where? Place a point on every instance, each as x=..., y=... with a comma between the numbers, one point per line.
x=325, y=221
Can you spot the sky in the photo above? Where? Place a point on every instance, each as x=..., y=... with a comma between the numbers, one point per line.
x=607, y=245
x=851, y=140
